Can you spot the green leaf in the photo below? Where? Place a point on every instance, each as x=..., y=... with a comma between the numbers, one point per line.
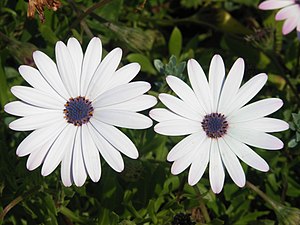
x=175, y=42
x=146, y=65
x=3, y=86
x=292, y=143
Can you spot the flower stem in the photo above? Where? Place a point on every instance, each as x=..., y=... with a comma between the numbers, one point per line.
x=202, y=205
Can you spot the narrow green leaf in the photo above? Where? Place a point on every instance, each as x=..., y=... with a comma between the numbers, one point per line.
x=145, y=63
x=175, y=42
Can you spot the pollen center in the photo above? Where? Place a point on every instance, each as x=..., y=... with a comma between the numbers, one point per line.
x=78, y=110
x=214, y=125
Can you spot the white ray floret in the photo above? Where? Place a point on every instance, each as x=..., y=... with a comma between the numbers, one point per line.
x=73, y=107
x=219, y=124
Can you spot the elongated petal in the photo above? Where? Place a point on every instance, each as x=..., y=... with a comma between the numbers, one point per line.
x=78, y=167
x=103, y=73
x=246, y=154
x=134, y=105
x=256, y=138
x=66, y=168
x=232, y=83
x=39, y=137
x=116, y=138
x=91, y=61
x=76, y=53
x=121, y=94
x=264, y=125
x=50, y=73
x=286, y=12
x=256, y=110
x=123, y=119
x=186, y=145
x=66, y=68
x=36, y=80
x=275, y=4
x=160, y=115
x=290, y=24
x=179, y=107
x=57, y=151
x=232, y=163
x=200, y=162
x=36, y=121
x=184, y=162
x=246, y=93
x=184, y=92
x=37, y=98
x=90, y=154
x=124, y=75
x=19, y=108
x=200, y=85
x=177, y=127
x=216, y=170
x=111, y=155
x=216, y=79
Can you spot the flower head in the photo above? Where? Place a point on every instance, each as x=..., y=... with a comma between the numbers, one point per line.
x=289, y=11
x=219, y=125
x=73, y=107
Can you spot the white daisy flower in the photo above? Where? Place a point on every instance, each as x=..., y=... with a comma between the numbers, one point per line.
x=289, y=11
x=219, y=125
x=73, y=107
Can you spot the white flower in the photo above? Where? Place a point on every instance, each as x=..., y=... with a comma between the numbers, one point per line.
x=289, y=11
x=73, y=106
x=219, y=125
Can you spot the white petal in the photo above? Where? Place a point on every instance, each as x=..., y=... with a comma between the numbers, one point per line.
x=180, y=107
x=116, y=138
x=232, y=83
x=36, y=80
x=246, y=93
x=121, y=94
x=200, y=162
x=264, y=125
x=246, y=154
x=290, y=24
x=57, y=151
x=232, y=163
x=111, y=155
x=160, y=114
x=123, y=119
x=66, y=168
x=181, y=164
x=78, y=168
x=91, y=61
x=200, y=85
x=216, y=170
x=90, y=154
x=39, y=137
x=36, y=121
x=37, y=98
x=124, y=75
x=186, y=145
x=256, y=138
x=256, y=110
x=37, y=157
x=177, y=127
x=275, y=4
x=184, y=92
x=66, y=68
x=50, y=73
x=216, y=79
x=19, y=108
x=287, y=12
x=139, y=103
x=103, y=73
x=75, y=50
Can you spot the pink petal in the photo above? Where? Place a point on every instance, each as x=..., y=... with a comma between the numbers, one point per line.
x=275, y=4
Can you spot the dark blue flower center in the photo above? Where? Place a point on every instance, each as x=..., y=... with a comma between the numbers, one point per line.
x=214, y=125
x=78, y=110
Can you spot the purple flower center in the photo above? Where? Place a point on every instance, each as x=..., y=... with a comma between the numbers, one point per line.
x=78, y=111
x=214, y=125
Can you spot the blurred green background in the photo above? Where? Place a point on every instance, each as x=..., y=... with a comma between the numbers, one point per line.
x=161, y=35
